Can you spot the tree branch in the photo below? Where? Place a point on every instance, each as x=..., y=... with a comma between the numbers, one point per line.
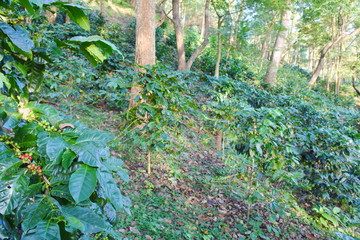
x=353, y=85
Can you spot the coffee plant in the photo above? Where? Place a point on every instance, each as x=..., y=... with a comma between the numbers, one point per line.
x=56, y=179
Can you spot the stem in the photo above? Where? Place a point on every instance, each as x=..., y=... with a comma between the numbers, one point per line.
x=223, y=148
x=149, y=161
x=45, y=180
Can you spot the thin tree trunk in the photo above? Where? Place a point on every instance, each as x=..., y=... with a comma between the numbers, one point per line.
x=196, y=53
x=234, y=31
x=218, y=140
x=219, y=47
x=278, y=49
x=179, y=32
x=329, y=77
x=310, y=59
x=145, y=41
x=353, y=85
x=326, y=49
x=338, y=76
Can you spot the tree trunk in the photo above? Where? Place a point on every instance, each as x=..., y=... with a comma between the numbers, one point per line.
x=219, y=47
x=51, y=15
x=325, y=50
x=67, y=18
x=338, y=76
x=179, y=33
x=310, y=60
x=329, y=77
x=218, y=140
x=353, y=85
x=145, y=40
x=234, y=31
x=278, y=49
x=182, y=63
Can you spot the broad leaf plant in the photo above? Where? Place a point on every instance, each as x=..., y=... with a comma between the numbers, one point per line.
x=57, y=175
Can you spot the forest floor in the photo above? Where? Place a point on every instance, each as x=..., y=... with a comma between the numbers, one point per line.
x=200, y=198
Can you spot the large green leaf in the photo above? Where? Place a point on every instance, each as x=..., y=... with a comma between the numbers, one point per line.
x=116, y=165
x=91, y=146
x=103, y=44
x=99, y=138
x=61, y=191
x=82, y=183
x=87, y=153
x=26, y=135
x=26, y=4
x=84, y=219
x=34, y=213
x=45, y=230
x=68, y=157
x=111, y=190
x=13, y=185
x=95, y=52
x=55, y=147
x=76, y=14
x=18, y=36
x=4, y=81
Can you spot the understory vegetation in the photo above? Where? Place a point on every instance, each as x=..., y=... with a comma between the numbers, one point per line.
x=214, y=157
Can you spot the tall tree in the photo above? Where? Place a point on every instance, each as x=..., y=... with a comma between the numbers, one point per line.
x=179, y=32
x=145, y=40
x=325, y=50
x=279, y=46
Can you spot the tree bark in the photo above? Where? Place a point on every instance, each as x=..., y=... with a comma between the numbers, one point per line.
x=326, y=49
x=234, y=31
x=179, y=31
x=218, y=59
x=278, y=49
x=51, y=15
x=145, y=40
x=353, y=85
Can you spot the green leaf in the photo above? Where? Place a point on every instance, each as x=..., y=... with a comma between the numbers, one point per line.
x=4, y=81
x=124, y=175
x=331, y=219
x=91, y=146
x=99, y=138
x=18, y=36
x=54, y=148
x=111, y=190
x=82, y=183
x=116, y=165
x=86, y=220
x=13, y=185
x=95, y=52
x=45, y=230
x=61, y=191
x=68, y=157
x=26, y=136
x=87, y=153
x=103, y=44
x=26, y=4
x=35, y=213
x=336, y=210
x=76, y=14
